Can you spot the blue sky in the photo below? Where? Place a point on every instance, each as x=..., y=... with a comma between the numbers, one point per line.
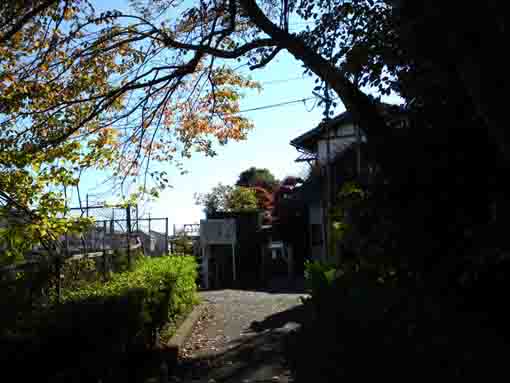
x=267, y=145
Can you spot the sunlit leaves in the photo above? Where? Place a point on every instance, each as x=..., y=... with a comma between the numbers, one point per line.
x=80, y=90
x=226, y=198
x=213, y=113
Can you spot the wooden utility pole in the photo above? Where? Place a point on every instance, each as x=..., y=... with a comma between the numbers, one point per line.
x=327, y=213
x=328, y=174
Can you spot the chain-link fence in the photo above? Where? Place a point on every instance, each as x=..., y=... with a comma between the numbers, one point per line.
x=104, y=212
x=112, y=243
x=121, y=223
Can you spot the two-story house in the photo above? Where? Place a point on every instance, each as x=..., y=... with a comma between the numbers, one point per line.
x=335, y=151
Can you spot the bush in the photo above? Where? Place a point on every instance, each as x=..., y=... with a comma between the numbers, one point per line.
x=370, y=327
x=120, y=261
x=87, y=337
x=20, y=293
x=319, y=275
x=168, y=284
x=319, y=279
x=183, y=244
x=100, y=324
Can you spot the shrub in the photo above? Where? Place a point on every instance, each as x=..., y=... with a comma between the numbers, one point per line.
x=20, y=293
x=120, y=260
x=319, y=274
x=97, y=325
x=86, y=336
x=168, y=284
x=370, y=325
x=319, y=279
x=183, y=244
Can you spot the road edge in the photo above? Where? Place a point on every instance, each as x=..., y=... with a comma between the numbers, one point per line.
x=182, y=334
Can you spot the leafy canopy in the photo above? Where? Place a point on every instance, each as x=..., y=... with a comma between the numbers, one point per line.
x=126, y=90
x=226, y=198
x=81, y=92
x=257, y=177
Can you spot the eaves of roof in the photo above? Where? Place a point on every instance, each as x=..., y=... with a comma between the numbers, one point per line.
x=307, y=140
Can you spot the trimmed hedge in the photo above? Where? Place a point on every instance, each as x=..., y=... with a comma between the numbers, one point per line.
x=168, y=285
x=99, y=325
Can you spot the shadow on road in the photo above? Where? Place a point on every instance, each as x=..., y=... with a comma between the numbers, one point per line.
x=257, y=357
x=288, y=319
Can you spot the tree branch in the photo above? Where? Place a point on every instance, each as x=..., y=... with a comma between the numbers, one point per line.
x=25, y=19
x=360, y=105
x=220, y=53
x=266, y=60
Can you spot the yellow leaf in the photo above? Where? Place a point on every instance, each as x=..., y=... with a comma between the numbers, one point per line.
x=68, y=13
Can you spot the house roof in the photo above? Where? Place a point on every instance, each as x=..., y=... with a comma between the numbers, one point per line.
x=307, y=140
x=312, y=189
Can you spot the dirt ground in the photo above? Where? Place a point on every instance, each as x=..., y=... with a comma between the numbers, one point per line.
x=240, y=336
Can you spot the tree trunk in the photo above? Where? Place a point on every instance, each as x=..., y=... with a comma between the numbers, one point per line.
x=360, y=105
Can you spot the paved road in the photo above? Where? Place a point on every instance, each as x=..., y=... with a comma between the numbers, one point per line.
x=240, y=337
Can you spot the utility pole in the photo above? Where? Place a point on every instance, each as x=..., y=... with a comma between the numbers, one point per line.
x=128, y=235
x=167, y=249
x=326, y=217
x=358, y=141
x=327, y=97
x=328, y=190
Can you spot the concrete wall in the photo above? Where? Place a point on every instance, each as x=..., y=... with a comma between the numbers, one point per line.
x=316, y=218
x=337, y=145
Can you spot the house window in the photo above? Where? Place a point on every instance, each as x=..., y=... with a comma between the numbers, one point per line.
x=316, y=234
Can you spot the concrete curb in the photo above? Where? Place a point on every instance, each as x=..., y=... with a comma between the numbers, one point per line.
x=184, y=331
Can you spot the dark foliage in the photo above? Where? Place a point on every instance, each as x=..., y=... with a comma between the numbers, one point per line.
x=101, y=331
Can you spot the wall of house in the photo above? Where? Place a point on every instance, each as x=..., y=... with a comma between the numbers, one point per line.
x=316, y=231
x=337, y=145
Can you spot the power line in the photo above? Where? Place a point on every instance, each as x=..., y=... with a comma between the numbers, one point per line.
x=277, y=105
x=281, y=81
x=302, y=23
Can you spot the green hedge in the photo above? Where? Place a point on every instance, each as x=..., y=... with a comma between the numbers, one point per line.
x=120, y=261
x=100, y=323
x=168, y=284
